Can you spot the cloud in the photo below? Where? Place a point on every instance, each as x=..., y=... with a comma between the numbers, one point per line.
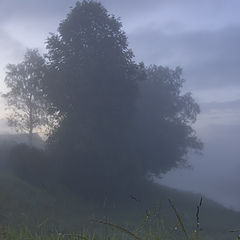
x=229, y=105
x=162, y=32
x=31, y=9
x=11, y=51
x=9, y=44
x=210, y=59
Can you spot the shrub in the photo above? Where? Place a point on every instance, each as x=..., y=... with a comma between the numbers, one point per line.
x=30, y=164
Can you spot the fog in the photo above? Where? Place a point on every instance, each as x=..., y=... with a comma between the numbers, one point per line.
x=215, y=173
x=202, y=37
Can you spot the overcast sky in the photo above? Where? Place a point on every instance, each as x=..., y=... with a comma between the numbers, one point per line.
x=202, y=37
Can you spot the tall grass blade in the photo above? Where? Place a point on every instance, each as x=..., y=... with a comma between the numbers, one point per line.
x=179, y=219
x=119, y=228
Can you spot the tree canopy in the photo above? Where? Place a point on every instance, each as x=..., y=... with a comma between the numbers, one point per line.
x=116, y=117
x=164, y=120
x=92, y=82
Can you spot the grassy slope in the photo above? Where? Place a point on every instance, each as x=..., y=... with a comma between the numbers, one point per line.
x=21, y=203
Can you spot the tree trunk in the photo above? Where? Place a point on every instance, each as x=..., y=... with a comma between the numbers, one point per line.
x=30, y=134
x=30, y=139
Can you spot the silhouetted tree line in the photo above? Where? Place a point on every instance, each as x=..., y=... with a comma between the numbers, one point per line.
x=114, y=122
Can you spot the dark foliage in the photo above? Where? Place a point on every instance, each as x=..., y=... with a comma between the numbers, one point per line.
x=30, y=164
x=5, y=148
x=164, y=119
x=117, y=120
x=92, y=83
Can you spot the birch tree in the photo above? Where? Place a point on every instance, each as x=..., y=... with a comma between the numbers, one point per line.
x=25, y=99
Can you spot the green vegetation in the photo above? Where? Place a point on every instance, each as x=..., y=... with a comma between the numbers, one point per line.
x=29, y=212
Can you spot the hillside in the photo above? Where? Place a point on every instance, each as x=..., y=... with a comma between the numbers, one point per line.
x=23, y=204
x=17, y=138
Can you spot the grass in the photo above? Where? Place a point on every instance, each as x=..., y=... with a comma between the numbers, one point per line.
x=27, y=212
x=151, y=228
x=154, y=231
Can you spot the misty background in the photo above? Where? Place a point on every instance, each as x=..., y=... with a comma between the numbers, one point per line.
x=202, y=38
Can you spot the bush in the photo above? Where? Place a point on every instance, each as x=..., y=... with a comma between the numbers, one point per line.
x=29, y=164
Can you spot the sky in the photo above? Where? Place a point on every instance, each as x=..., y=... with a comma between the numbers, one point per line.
x=202, y=37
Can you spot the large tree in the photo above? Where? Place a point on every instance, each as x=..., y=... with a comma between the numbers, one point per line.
x=92, y=82
x=109, y=137
x=25, y=98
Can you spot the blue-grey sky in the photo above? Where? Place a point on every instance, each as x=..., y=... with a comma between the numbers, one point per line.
x=200, y=36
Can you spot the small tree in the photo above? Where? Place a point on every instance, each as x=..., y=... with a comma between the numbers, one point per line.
x=25, y=98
